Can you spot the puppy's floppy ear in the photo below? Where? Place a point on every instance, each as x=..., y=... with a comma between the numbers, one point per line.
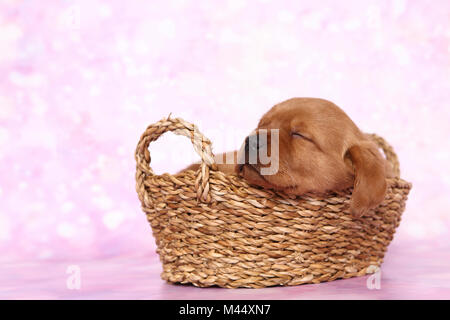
x=370, y=177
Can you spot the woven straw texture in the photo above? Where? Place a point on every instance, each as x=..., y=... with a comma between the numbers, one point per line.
x=215, y=229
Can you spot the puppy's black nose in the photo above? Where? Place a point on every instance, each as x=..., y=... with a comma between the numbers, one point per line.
x=250, y=145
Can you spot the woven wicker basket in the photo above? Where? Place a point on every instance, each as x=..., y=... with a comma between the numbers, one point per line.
x=215, y=229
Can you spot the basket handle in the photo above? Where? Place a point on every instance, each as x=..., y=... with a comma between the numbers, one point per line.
x=202, y=146
x=389, y=152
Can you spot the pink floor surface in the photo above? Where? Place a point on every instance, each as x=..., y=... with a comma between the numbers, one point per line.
x=410, y=271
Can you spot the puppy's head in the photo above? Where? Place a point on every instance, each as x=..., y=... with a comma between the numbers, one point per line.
x=315, y=148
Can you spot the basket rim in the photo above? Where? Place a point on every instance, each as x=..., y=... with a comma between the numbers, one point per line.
x=392, y=182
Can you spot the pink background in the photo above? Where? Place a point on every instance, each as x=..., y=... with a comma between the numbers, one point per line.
x=80, y=81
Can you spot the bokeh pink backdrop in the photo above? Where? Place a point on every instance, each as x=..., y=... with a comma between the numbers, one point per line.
x=80, y=81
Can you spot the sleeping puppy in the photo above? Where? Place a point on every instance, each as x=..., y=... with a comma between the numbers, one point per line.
x=318, y=149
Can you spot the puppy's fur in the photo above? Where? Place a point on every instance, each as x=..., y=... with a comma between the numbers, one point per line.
x=320, y=150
